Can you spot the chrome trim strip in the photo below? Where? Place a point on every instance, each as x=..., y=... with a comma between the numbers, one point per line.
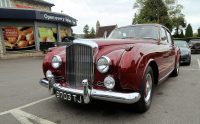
x=127, y=98
x=86, y=42
x=90, y=43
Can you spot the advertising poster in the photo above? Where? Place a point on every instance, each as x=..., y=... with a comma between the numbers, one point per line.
x=65, y=32
x=18, y=38
x=47, y=34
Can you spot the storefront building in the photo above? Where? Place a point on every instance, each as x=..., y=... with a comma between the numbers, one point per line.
x=29, y=28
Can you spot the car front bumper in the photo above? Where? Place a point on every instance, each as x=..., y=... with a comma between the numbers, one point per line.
x=185, y=59
x=87, y=93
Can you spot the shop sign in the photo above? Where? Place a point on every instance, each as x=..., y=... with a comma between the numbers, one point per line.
x=56, y=17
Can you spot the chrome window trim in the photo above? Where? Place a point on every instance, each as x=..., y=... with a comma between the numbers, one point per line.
x=86, y=42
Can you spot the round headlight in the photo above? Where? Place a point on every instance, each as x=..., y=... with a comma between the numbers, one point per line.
x=56, y=61
x=109, y=82
x=103, y=64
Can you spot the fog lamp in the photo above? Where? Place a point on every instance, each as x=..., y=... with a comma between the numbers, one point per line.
x=109, y=82
x=49, y=75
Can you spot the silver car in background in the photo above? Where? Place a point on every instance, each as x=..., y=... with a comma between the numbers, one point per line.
x=185, y=57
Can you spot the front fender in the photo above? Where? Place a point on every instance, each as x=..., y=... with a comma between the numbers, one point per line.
x=128, y=76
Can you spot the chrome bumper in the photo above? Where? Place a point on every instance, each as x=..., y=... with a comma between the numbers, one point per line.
x=127, y=98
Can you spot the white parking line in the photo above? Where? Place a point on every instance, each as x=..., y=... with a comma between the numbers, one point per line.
x=198, y=62
x=24, y=118
x=27, y=105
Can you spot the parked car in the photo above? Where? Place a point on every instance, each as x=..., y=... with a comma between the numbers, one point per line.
x=123, y=68
x=185, y=51
x=194, y=44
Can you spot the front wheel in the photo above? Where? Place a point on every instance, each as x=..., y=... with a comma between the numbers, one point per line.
x=146, y=91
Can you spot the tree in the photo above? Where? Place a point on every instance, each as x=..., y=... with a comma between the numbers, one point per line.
x=174, y=10
x=188, y=31
x=86, y=31
x=198, y=35
x=154, y=11
x=181, y=35
x=92, y=33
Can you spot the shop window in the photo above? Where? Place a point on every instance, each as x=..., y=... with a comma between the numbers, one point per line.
x=18, y=38
x=5, y=3
x=47, y=34
x=47, y=37
x=65, y=32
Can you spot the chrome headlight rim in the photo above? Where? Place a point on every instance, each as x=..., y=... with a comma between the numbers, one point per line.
x=106, y=64
x=56, y=61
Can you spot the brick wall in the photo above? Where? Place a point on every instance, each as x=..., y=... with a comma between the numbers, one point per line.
x=30, y=4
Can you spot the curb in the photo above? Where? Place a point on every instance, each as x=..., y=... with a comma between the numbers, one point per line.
x=21, y=55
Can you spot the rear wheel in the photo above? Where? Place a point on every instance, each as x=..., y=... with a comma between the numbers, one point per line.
x=146, y=91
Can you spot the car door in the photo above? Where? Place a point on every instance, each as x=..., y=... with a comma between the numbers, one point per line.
x=165, y=49
x=172, y=57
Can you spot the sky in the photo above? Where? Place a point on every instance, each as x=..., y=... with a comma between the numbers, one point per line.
x=111, y=12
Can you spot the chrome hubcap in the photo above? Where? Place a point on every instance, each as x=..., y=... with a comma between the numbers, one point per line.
x=177, y=67
x=148, y=88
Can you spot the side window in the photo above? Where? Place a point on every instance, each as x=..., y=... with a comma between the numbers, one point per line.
x=163, y=36
x=169, y=38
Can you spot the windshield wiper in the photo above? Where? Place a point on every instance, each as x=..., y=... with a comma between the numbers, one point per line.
x=128, y=37
x=149, y=38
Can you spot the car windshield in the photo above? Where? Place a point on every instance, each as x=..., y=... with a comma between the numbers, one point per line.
x=138, y=32
x=181, y=43
x=194, y=41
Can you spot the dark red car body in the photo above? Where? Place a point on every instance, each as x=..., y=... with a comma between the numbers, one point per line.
x=130, y=59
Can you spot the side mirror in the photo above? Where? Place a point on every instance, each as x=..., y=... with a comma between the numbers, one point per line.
x=69, y=39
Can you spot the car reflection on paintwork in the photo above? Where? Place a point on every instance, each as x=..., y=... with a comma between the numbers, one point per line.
x=185, y=51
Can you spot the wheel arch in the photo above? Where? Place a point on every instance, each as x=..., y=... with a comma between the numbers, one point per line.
x=154, y=67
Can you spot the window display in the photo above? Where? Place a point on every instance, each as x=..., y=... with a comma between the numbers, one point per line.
x=65, y=32
x=47, y=34
x=17, y=38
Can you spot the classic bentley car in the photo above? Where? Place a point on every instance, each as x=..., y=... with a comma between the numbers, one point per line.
x=122, y=68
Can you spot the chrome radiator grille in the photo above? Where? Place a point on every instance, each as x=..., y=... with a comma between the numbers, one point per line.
x=79, y=64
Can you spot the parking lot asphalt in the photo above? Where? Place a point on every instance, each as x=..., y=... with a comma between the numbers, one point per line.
x=24, y=101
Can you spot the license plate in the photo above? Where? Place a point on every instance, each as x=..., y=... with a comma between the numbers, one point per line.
x=69, y=97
